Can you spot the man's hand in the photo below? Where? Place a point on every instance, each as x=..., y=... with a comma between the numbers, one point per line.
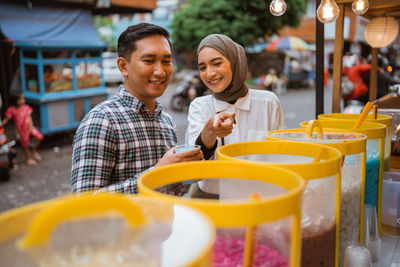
x=172, y=157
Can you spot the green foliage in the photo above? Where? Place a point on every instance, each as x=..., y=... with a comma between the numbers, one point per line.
x=104, y=24
x=243, y=21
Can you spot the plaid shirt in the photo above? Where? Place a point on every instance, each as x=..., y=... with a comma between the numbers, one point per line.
x=117, y=141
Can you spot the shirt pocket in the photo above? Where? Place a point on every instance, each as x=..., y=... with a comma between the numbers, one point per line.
x=253, y=135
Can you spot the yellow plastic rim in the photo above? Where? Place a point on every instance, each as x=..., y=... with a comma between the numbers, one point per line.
x=381, y=118
x=229, y=213
x=372, y=130
x=82, y=206
x=352, y=146
x=15, y=222
x=328, y=167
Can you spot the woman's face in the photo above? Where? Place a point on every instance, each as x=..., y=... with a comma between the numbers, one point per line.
x=215, y=69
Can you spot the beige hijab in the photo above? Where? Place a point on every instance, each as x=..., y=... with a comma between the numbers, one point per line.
x=236, y=55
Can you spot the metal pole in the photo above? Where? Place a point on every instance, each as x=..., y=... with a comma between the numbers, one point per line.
x=319, y=65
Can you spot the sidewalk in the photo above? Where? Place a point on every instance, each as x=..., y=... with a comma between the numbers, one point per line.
x=51, y=178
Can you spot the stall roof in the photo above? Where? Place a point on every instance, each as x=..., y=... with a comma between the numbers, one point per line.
x=48, y=26
x=104, y=7
x=377, y=8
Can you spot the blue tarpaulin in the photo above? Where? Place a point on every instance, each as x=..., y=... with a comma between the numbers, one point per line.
x=48, y=26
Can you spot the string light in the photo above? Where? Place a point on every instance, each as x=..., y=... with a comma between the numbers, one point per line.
x=360, y=6
x=277, y=7
x=327, y=11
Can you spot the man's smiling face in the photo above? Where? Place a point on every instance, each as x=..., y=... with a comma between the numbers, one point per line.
x=149, y=70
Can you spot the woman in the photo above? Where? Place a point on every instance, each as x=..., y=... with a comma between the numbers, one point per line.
x=233, y=113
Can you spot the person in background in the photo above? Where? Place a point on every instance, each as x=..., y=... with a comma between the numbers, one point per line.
x=271, y=80
x=233, y=113
x=21, y=114
x=197, y=88
x=49, y=75
x=360, y=76
x=130, y=133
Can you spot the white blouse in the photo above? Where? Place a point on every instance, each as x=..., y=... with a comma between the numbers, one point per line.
x=256, y=113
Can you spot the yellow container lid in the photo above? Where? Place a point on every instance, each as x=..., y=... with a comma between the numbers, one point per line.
x=229, y=213
x=326, y=163
x=347, y=142
x=381, y=118
x=36, y=222
x=372, y=130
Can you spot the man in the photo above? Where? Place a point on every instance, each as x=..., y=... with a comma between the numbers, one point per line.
x=129, y=133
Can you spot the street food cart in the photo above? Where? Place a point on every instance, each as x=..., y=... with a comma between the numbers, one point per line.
x=60, y=65
x=382, y=8
x=61, y=83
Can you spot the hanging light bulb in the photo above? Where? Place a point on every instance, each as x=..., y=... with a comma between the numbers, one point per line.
x=360, y=6
x=277, y=7
x=327, y=11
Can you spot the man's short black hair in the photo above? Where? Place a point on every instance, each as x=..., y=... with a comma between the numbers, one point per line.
x=127, y=39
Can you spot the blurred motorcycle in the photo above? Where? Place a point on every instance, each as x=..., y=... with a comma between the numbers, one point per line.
x=190, y=88
x=7, y=156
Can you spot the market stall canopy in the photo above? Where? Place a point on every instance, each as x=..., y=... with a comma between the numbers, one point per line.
x=124, y=6
x=377, y=8
x=104, y=7
x=288, y=43
x=48, y=26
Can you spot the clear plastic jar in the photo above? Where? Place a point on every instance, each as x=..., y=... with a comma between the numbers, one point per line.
x=353, y=147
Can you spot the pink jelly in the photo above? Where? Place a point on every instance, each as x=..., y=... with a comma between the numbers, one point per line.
x=228, y=252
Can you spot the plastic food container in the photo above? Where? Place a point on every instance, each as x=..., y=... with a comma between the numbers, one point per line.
x=391, y=203
x=375, y=133
x=395, y=114
x=105, y=230
x=320, y=166
x=352, y=145
x=254, y=227
x=380, y=118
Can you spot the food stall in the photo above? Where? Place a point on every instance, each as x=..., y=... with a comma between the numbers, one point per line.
x=381, y=8
x=61, y=84
x=60, y=64
x=41, y=36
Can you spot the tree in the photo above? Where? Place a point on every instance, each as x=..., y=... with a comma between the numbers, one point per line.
x=243, y=21
x=105, y=28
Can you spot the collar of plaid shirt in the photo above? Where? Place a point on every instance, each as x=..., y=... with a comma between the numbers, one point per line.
x=135, y=104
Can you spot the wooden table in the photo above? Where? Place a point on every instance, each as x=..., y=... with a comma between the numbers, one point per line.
x=395, y=163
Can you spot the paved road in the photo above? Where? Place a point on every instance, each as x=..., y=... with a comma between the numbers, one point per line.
x=52, y=177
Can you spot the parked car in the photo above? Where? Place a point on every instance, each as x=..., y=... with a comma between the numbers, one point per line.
x=110, y=68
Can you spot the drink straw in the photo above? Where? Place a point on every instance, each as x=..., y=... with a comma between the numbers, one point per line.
x=363, y=115
x=318, y=156
x=375, y=111
x=311, y=125
x=249, y=246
